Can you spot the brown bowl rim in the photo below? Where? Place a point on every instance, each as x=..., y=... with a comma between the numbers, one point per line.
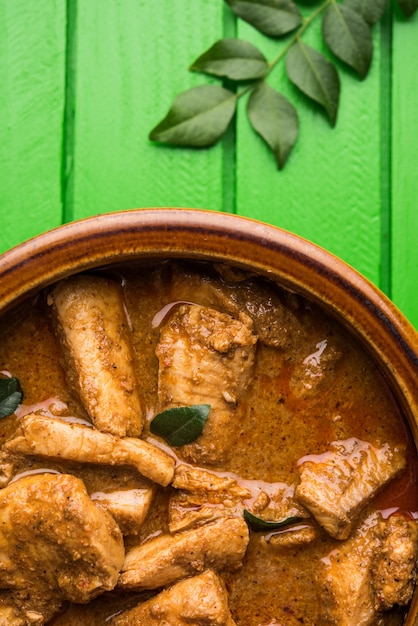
x=198, y=233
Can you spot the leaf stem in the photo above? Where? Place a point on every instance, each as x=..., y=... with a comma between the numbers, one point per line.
x=248, y=88
x=306, y=23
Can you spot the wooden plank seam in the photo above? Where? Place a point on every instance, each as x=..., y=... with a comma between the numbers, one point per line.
x=386, y=154
x=68, y=139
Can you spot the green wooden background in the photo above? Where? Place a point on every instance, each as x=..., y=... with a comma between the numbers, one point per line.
x=82, y=82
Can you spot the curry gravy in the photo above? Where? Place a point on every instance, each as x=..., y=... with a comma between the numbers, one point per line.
x=292, y=408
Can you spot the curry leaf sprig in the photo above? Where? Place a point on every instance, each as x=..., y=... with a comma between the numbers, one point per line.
x=200, y=116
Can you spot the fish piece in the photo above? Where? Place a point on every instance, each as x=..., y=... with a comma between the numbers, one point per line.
x=167, y=558
x=6, y=468
x=395, y=566
x=129, y=507
x=335, y=486
x=27, y=608
x=120, y=490
x=205, y=357
x=274, y=311
x=203, y=496
x=344, y=579
x=196, y=479
x=187, y=511
x=11, y=616
x=55, y=543
x=38, y=435
x=196, y=601
x=93, y=330
x=296, y=536
x=359, y=581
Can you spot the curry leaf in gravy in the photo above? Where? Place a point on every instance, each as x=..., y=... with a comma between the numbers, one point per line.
x=180, y=425
x=11, y=395
x=258, y=524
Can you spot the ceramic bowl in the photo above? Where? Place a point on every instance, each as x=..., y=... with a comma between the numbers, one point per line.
x=195, y=234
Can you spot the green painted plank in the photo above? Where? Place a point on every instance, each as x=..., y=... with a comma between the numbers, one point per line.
x=32, y=78
x=132, y=59
x=330, y=190
x=404, y=167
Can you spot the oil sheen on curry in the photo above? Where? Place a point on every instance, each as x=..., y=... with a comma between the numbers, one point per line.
x=198, y=446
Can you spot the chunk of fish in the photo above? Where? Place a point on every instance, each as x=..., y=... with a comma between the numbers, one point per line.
x=205, y=357
x=203, y=496
x=344, y=578
x=196, y=479
x=16, y=609
x=38, y=435
x=295, y=536
x=272, y=309
x=336, y=485
x=121, y=490
x=11, y=616
x=167, y=558
x=395, y=565
x=196, y=601
x=129, y=507
x=55, y=543
x=358, y=579
x=93, y=330
x=6, y=468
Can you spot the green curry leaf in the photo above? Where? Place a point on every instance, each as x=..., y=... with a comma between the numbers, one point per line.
x=180, y=425
x=231, y=58
x=349, y=37
x=197, y=118
x=370, y=10
x=275, y=119
x=315, y=76
x=259, y=525
x=11, y=395
x=274, y=18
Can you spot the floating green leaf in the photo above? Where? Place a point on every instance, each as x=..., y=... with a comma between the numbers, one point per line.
x=259, y=525
x=408, y=7
x=235, y=59
x=10, y=396
x=315, y=76
x=275, y=119
x=197, y=118
x=180, y=425
x=271, y=17
x=349, y=37
x=370, y=10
